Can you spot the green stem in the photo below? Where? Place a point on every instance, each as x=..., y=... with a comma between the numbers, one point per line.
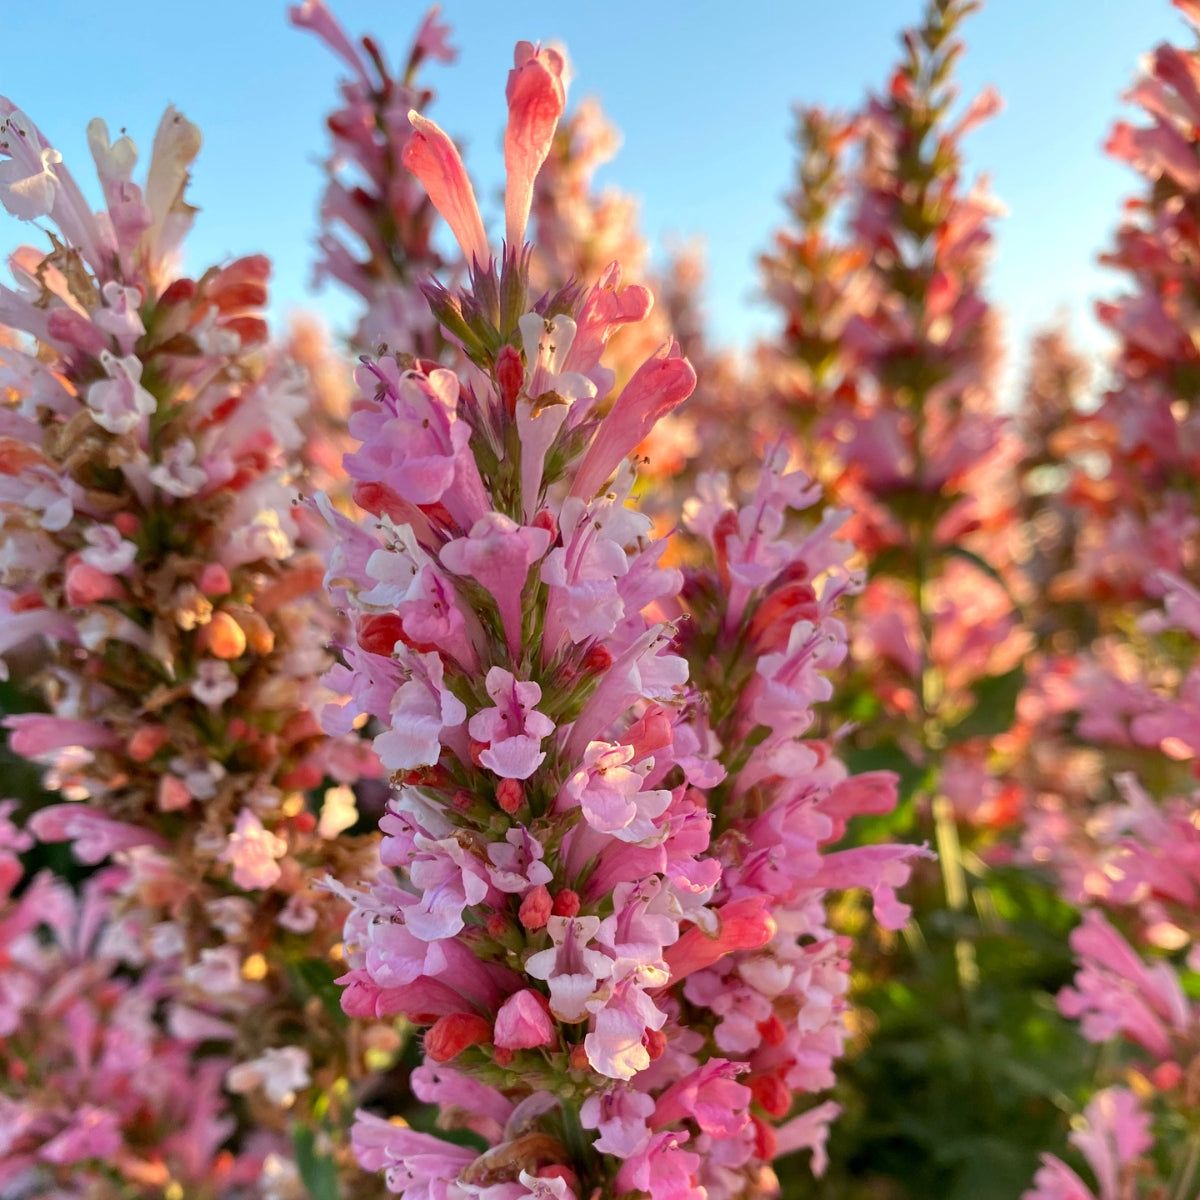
x=1183, y=1191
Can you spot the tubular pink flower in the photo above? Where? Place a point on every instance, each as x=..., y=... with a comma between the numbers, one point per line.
x=744, y=925
x=661, y=385
x=536, y=99
x=498, y=553
x=433, y=158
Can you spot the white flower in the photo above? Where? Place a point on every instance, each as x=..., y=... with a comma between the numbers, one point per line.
x=280, y=1072
x=252, y=850
x=119, y=402
x=215, y=682
x=107, y=550
x=176, y=473
x=338, y=812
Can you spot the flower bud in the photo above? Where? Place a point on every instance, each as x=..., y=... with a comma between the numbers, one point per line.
x=655, y=1042
x=771, y=1094
x=88, y=585
x=146, y=742
x=535, y=908
x=173, y=794
x=450, y=1035
x=772, y=1031
x=566, y=904
x=223, y=637
x=510, y=795
x=765, y=1142
x=214, y=580
x=379, y=634
x=545, y=519
x=597, y=660
x=510, y=375
x=524, y=1022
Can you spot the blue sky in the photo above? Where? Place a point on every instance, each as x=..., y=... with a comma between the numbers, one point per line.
x=701, y=90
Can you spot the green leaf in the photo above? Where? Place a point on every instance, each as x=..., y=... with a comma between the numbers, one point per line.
x=318, y=1171
x=316, y=977
x=982, y=564
x=994, y=709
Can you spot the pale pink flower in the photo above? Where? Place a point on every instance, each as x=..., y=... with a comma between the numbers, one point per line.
x=177, y=473
x=422, y=709
x=280, y=1072
x=253, y=850
x=119, y=403
x=610, y=792
x=498, y=554
x=214, y=683
x=569, y=967
x=512, y=730
x=107, y=550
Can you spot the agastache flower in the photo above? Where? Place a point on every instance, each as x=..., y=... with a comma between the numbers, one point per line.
x=376, y=220
x=553, y=908
x=147, y=479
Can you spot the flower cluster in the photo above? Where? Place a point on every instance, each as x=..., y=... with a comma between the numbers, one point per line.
x=603, y=886
x=377, y=223
x=1123, y=836
x=152, y=550
x=99, y=1093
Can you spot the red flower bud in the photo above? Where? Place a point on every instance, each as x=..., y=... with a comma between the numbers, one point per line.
x=766, y=1145
x=535, y=908
x=379, y=634
x=558, y=1171
x=1167, y=1076
x=655, y=1042
x=771, y=1094
x=510, y=795
x=545, y=519
x=147, y=742
x=214, y=580
x=566, y=904
x=597, y=659
x=510, y=375
x=773, y=1030
x=450, y=1035
x=304, y=822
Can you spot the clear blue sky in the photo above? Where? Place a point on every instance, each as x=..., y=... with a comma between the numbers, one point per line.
x=702, y=91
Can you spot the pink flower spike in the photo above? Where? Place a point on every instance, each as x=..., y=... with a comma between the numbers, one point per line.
x=314, y=16
x=536, y=99
x=434, y=159
x=660, y=384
